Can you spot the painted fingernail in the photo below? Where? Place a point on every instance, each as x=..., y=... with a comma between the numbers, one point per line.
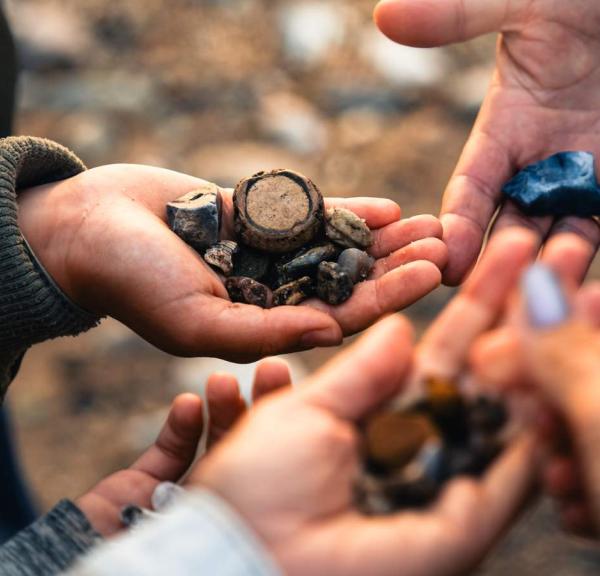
x=544, y=297
x=164, y=495
x=324, y=337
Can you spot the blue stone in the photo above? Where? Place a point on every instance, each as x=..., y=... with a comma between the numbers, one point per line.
x=564, y=184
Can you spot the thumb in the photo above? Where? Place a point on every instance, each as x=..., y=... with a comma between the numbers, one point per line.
x=562, y=352
x=366, y=374
x=426, y=23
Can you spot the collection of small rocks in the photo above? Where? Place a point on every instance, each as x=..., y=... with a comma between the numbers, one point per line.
x=412, y=451
x=288, y=247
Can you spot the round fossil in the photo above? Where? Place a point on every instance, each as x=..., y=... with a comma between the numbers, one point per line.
x=277, y=211
x=345, y=228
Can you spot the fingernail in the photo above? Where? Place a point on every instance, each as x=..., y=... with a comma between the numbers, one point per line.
x=544, y=297
x=323, y=337
x=164, y=495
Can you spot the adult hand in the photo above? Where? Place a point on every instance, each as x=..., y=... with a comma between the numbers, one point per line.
x=541, y=100
x=102, y=236
x=309, y=523
x=169, y=458
x=557, y=355
x=475, y=334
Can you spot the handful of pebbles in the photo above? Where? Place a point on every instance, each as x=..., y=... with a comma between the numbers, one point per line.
x=411, y=452
x=288, y=247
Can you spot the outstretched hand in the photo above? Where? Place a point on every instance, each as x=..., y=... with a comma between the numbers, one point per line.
x=170, y=457
x=102, y=236
x=542, y=100
x=309, y=523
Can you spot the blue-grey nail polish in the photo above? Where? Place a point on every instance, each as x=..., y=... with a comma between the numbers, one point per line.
x=544, y=298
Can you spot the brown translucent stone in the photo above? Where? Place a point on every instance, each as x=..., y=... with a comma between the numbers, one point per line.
x=394, y=438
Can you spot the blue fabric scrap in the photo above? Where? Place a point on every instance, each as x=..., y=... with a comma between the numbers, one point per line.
x=564, y=184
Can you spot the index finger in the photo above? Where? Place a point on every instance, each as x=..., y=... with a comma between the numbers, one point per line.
x=445, y=346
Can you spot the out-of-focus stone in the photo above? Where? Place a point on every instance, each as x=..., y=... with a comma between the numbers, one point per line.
x=404, y=66
x=293, y=122
x=310, y=30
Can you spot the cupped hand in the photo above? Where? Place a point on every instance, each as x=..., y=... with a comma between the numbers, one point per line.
x=170, y=457
x=103, y=238
x=560, y=363
x=309, y=522
x=542, y=100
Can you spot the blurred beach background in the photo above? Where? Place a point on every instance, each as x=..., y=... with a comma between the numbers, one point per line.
x=219, y=89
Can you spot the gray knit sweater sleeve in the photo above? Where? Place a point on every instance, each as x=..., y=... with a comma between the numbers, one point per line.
x=32, y=307
x=50, y=545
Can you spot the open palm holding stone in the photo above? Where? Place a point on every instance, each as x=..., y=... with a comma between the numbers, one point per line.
x=103, y=237
x=541, y=100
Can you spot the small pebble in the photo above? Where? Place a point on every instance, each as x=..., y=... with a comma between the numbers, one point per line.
x=251, y=263
x=306, y=263
x=333, y=284
x=487, y=415
x=345, y=228
x=249, y=291
x=393, y=439
x=293, y=293
x=356, y=263
x=563, y=185
x=221, y=256
x=196, y=217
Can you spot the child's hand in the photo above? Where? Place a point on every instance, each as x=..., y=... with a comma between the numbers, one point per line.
x=103, y=238
x=169, y=458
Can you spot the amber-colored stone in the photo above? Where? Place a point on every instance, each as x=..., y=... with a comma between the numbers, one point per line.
x=393, y=439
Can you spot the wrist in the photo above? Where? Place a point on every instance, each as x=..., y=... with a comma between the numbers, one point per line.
x=50, y=217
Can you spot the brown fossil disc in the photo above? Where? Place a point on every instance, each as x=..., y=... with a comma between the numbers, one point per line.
x=277, y=211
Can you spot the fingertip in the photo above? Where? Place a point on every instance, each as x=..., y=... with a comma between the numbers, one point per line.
x=463, y=240
x=271, y=374
x=222, y=387
x=409, y=23
x=187, y=409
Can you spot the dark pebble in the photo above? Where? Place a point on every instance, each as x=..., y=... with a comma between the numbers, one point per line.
x=487, y=415
x=249, y=291
x=306, y=263
x=294, y=293
x=333, y=284
x=564, y=184
x=196, y=217
x=251, y=263
x=356, y=263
